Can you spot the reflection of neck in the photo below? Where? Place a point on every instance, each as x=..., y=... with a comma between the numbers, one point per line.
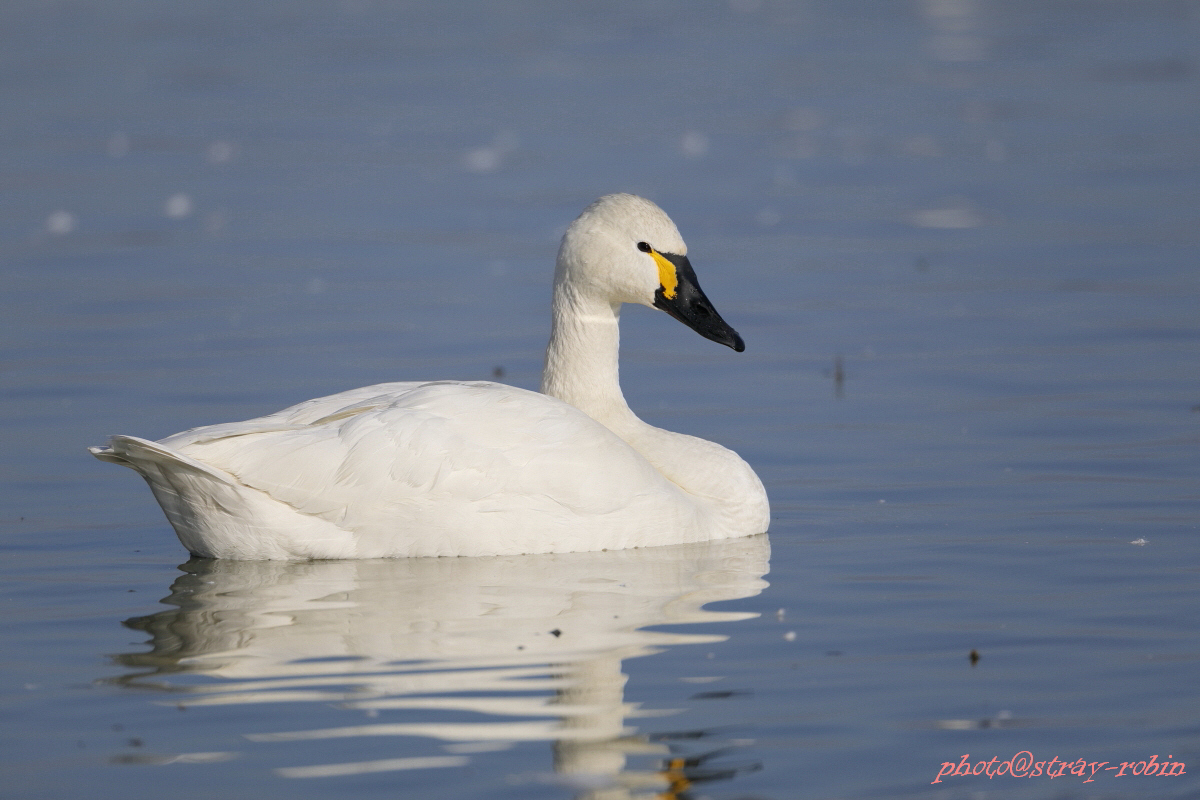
x=581, y=358
x=593, y=724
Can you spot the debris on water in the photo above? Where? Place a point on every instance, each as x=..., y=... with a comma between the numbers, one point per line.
x=838, y=373
x=721, y=695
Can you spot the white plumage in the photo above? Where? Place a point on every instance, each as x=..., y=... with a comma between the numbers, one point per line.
x=452, y=468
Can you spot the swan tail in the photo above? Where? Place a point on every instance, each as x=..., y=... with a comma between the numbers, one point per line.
x=217, y=516
x=143, y=455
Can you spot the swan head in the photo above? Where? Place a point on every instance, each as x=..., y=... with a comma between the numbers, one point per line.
x=625, y=249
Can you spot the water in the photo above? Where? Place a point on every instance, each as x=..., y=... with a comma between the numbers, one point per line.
x=959, y=238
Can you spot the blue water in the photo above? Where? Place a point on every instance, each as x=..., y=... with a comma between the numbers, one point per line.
x=960, y=239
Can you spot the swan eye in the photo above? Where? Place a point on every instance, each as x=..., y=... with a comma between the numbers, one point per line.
x=645, y=248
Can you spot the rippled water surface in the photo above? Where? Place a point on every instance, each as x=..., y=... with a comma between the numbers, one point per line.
x=960, y=238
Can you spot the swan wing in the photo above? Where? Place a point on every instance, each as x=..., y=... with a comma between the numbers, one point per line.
x=444, y=468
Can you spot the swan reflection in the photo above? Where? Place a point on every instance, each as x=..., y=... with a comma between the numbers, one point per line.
x=527, y=648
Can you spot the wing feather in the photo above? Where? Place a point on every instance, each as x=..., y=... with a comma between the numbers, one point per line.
x=428, y=454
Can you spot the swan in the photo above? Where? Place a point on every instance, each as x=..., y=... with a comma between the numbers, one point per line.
x=462, y=468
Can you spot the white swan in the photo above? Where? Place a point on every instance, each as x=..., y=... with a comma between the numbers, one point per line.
x=472, y=468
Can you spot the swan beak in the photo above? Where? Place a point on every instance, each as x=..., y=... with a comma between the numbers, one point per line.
x=680, y=296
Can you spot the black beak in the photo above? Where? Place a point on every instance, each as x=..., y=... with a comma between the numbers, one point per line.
x=689, y=305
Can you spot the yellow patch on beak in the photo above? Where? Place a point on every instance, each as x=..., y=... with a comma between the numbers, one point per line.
x=666, y=275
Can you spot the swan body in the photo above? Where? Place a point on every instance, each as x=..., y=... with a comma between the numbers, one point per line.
x=449, y=468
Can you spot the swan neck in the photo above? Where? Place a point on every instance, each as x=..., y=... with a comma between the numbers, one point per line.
x=581, y=358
